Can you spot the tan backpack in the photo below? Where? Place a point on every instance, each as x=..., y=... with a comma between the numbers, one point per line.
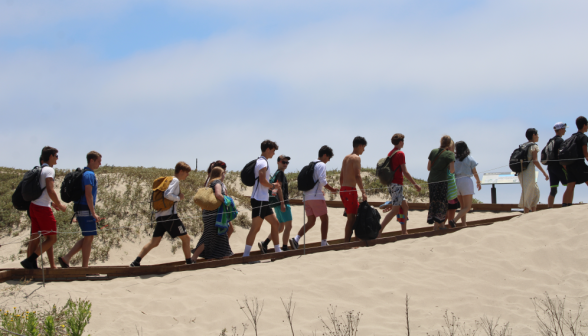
x=159, y=202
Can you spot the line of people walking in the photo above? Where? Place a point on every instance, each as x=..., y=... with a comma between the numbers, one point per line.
x=450, y=167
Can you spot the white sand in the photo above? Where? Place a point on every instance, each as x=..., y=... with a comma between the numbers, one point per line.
x=492, y=270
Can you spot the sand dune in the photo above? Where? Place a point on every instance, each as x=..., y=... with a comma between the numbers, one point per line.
x=492, y=270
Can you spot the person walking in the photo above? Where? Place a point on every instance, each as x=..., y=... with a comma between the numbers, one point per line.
x=465, y=168
x=213, y=245
x=530, y=190
x=440, y=159
x=557, y=173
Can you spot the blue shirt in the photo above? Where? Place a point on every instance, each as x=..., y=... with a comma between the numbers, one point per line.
x=89, y=178
x=464, y=168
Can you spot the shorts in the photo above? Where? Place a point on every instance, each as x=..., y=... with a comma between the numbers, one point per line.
x=260, y=209
x=578, y=172
x=465, y=185
x=557, y=175
x=349, y=197
x=170, y=224
x=315, y=208
x=86, y=222
x=397, y=193
x=42, y=219
x=285, y=216
x=453, y=204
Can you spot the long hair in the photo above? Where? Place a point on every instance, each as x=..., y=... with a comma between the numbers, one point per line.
x=216, y=173
x=461, y=150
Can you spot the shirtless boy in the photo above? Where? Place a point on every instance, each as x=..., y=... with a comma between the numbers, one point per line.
x=350, y=177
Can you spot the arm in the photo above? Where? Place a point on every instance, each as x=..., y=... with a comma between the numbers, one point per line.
x=358, y=179
x=322, y=180
x=538, y=165
x=452, y=167
x=281, y=197
x=218, y=192
x=478, y=183
x=51, y=192
x=263, y=181
x=409, y=177
x=173, y=192
x=90, y=200
x=429, y=166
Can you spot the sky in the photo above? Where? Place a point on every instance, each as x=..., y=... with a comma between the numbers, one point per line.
x=150, y=83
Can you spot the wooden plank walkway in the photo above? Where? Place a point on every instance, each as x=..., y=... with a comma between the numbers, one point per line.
x=425, y=206
x=111, y=272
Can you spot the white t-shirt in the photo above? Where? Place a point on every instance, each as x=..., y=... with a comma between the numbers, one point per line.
x=46, y=172
x=320, y=175
x=260, y=192
x=172, y=193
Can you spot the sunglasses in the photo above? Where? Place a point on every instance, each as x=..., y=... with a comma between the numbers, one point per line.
x=285, y=162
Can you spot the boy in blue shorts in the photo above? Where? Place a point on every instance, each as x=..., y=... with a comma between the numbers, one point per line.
x=280, y=204
x=85, y=210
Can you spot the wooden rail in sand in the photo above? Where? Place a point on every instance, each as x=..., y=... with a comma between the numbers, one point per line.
x=111, y=272
x=425, y=206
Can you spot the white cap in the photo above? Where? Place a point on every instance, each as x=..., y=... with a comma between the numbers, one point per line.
x=560, y=125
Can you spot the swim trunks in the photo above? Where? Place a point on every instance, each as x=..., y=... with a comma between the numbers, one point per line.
x=315, y=208
x=349, y=198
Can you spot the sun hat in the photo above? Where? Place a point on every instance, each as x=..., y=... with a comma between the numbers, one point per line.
x=560, y=125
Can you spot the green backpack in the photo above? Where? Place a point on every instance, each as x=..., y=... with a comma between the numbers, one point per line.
x=384, y=171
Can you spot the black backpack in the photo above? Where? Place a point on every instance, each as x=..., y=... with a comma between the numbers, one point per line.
x=72, y=188
x=248, y=173
x=547, y=154
x=521, y=153
x=31, y=184
x=568, y=151
x=17, y=201
x=367, y=224
x=306, y=177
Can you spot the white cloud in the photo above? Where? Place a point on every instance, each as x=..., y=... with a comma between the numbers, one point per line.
x=320, y=83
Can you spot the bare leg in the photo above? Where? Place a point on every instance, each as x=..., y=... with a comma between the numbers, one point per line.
x=197, y=252
x=255, y=226
x=51, y=257
x=309, y=224
x=324, y=226
x=46, y=245
x=349, y=226
x=230, y=231
x=466, y=206
x=391, y=214
x=551, y=200
x=286, y=235
x=273, y=221
x=185, y=245
x=570, y=192
x=151, y=245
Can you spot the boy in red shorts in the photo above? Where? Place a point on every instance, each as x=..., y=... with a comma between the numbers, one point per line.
x=349, y=178
x=42, y=219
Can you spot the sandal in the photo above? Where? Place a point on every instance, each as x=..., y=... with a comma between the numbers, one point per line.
x=62, y=263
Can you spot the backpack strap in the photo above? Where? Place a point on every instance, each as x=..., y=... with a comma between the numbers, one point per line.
x=436, y=157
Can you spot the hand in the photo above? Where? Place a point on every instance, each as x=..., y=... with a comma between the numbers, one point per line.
x=96, y=217
x=479, y=185
x=546, y=177
x=283, y=207
x=417, y=187
x=181, y=197
x=364, y=196
x=388, y=208
x=275, y=186
x=59, y=207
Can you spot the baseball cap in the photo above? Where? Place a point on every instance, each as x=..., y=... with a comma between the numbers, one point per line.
x=282, y=157
x=560, y=125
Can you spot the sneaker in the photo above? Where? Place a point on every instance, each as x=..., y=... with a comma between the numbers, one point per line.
x=293, y=244
x=262, y=248
x=135, y=264
x=189, y=261
x=284, y=248
x=326, y=244
x=452, y=223
x=29, y=264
